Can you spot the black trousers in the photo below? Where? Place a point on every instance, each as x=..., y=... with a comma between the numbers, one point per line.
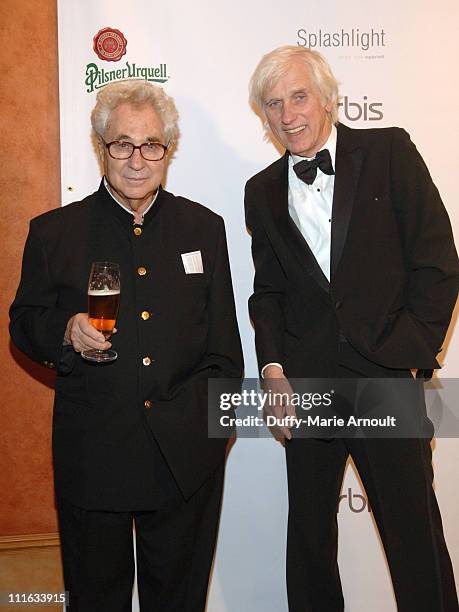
x=174, y=544
x=397, y=475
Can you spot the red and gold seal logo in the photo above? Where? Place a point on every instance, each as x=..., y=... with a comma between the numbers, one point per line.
x=110, y=44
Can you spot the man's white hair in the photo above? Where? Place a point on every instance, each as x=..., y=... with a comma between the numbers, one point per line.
x=275, y=65
x=137, y=92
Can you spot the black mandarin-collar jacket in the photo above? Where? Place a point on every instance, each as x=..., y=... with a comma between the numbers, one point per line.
x=103, y=451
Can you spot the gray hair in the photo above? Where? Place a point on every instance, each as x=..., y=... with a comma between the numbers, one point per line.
x=136, y=92
x=274, y=65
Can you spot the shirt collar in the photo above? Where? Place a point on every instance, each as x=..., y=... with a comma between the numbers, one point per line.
x=330, y=145
x=125, y=207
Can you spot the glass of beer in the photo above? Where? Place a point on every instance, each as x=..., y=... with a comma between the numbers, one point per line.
x=103, y=302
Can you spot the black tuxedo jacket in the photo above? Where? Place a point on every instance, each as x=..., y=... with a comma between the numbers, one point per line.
x=394, y=267
x=103, y=430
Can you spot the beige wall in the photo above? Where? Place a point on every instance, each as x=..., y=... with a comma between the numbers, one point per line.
x=30, y=185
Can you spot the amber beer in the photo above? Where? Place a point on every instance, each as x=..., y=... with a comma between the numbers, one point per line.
x=103, y=309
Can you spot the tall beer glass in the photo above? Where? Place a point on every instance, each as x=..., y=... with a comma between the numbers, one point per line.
x=103, y=302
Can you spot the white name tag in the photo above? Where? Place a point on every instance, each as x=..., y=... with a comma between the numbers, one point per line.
x=192, y=262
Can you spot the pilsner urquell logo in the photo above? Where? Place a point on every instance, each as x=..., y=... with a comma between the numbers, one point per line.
x=110, y=44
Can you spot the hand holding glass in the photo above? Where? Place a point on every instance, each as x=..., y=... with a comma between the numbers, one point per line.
x=103, y=302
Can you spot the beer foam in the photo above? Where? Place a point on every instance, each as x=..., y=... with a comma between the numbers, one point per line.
x=101, y=292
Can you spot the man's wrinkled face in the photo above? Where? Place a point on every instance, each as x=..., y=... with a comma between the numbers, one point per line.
x=133, y=181
x=296, y=113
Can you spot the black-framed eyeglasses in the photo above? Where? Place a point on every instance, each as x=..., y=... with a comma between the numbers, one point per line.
x=150, y=151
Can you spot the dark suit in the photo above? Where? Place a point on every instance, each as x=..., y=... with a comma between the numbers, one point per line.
x=132, y=435
x=386, y=309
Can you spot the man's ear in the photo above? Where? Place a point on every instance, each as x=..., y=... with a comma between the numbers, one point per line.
x=328, y=106
x=101, y=148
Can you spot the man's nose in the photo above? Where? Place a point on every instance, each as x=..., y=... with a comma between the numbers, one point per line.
x=136, y=160
x=288, y=113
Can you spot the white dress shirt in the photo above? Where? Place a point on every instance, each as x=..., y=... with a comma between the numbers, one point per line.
x=310, y=207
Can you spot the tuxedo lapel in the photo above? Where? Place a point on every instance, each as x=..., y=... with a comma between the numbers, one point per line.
x=348, y=164
x=277, y=196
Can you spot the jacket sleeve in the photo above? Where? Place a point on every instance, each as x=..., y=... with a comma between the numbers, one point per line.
x=224, y=352
x=37, y=324
x=266, y=302
x=427, y=242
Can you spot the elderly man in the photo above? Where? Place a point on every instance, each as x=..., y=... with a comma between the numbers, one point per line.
x=130, y=438
x=356, y=275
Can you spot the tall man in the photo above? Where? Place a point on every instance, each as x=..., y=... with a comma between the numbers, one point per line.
x=356, y=275
x=130, y=438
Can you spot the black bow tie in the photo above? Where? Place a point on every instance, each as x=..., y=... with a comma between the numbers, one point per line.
x=306, y=170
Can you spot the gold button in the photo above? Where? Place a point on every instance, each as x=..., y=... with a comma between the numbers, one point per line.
x=145, y=315
x=141, y=271
x=137, y=231
x=146, y=361
x=148, y=404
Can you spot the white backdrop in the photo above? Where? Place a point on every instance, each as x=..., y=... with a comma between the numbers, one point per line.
x=393, y=62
